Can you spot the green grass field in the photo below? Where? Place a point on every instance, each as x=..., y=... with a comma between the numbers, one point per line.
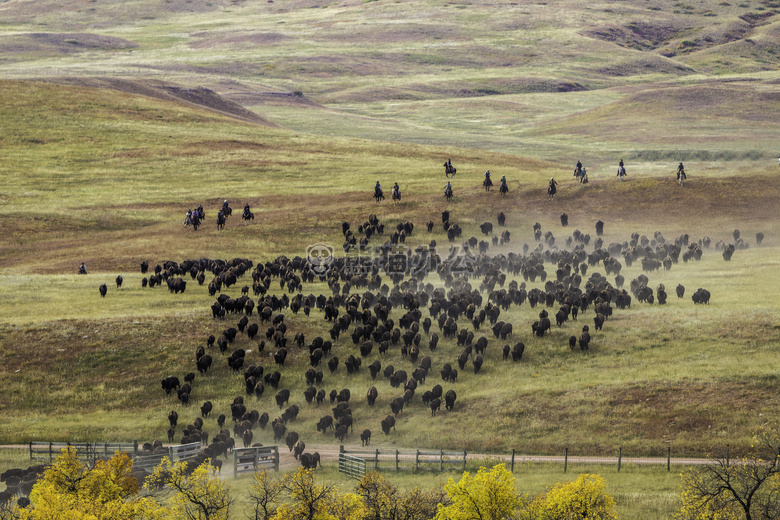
x=108, y=138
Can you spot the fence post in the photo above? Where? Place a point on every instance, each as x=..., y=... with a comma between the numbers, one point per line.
x=396, y=460
x=276, y=458
x=512, y=464
x=441, y=460
x=376, y=460
x=416, y=460
x=620, y=456
x=135, y=446
x=565, y=459
x=727, y=455
x=341, y=450
x=668, y=458
x=31, y=453
x=464, y=460
x=235, y=465
x=50, y=454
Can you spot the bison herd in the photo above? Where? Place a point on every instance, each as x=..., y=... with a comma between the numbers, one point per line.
x=384, y=314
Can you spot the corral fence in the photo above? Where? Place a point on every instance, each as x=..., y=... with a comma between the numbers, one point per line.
x=353, y=466
x=175, y=454
x=618, y=460
x=255, y=459
x=356, y=461
x=378, y=459
x=48, y=451
x=91, y=451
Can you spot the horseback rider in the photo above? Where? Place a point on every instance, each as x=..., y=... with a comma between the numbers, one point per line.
x=447, y=187
x=397, y=190
x=83, y=268
x=449, y=164
x=552, y=185
x=225, y=204
x=188, y=218
x=681, y=171
x=578, y=169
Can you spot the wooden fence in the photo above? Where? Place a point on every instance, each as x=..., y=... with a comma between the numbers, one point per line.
x=49, y=451
x=408, y=459
x=254, y=459
x=353, y=466
x=392, y=459
x=175, y=454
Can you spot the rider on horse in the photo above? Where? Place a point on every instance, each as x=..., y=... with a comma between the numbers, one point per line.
x=578, y=169
x=448, y=187
x=448, y=168
x=681, y=171
x=552, y=187
x=488, y=182
x=397, y=190
x=621, y=170
x=83, y=268
x=503, y=187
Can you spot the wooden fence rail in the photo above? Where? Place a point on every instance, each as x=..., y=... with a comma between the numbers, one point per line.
x=254, y=459
x=90, y=451
x=407, y=459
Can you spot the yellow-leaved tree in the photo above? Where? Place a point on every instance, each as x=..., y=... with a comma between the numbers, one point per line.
x=308, y=500
x=488, y=495
x=75, y=490
x=384, y=501
x=582, y=499
x=198, y=494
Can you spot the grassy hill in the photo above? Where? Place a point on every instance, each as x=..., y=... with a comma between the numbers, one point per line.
x=119, y=116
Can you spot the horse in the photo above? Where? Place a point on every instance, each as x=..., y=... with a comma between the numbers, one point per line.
x=195, y=219
x=503, y=189
x=681, y=177
x=449, y=170
x=221, y=220
x=487, y=183
x=227, y=210
x=551, y=189
x=578, y=172
x=621, y=172
x=448, y=194
x=378, y=195
x=396, y=196
x=248, y=215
